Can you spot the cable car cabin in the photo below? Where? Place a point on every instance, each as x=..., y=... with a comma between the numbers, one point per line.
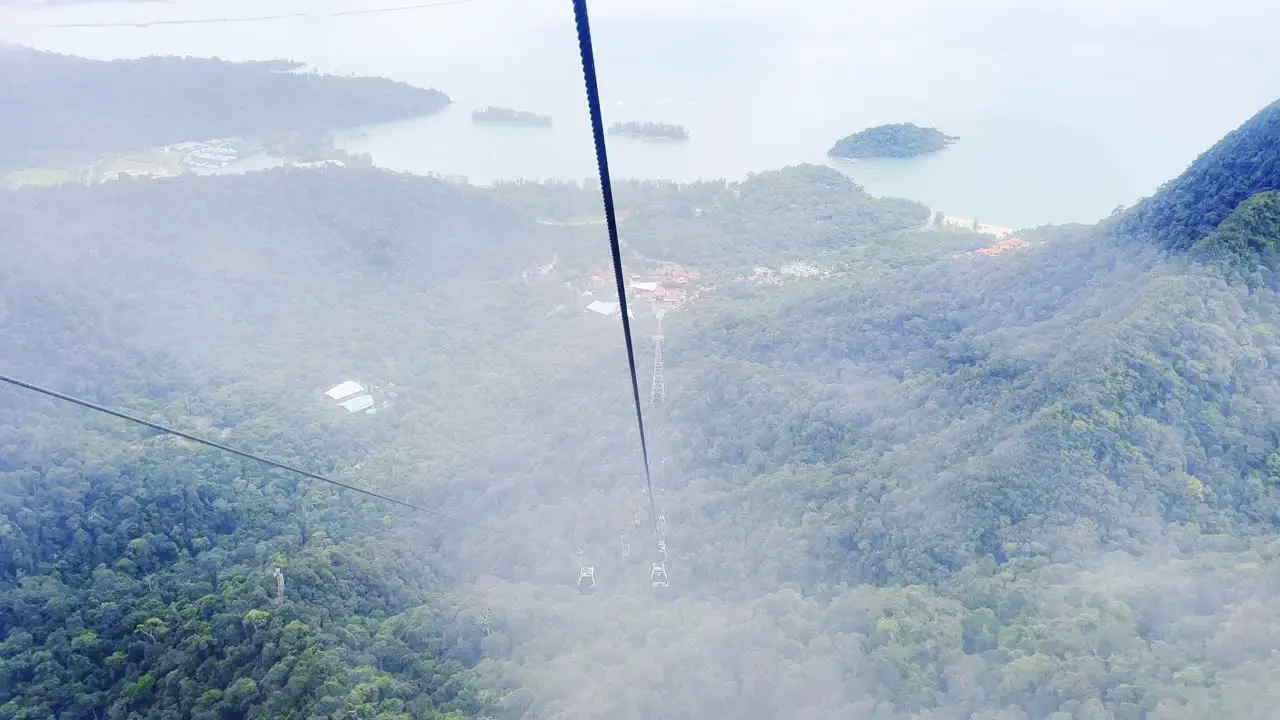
x=658, y=576
x=587, y=581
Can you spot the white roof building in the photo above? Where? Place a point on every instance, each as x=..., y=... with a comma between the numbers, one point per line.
x=351, y=396
x=604, y=308
x=344, y=390
x=358, y=403
x=608, y=309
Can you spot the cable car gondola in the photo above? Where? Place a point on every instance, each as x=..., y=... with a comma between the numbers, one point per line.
x=658, y=576
x=587, y=580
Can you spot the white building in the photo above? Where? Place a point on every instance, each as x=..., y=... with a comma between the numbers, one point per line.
x=358, y=403
x=352, y=397
x=608, y=309
x=344, y=390
x=604, y=308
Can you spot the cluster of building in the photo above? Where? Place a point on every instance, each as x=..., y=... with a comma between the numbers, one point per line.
x=670, y=286
x=1005, y=239
x=1003, y=245
x=769, y=276
x=208, y=155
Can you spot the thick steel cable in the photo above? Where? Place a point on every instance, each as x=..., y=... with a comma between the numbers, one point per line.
x=611, y=219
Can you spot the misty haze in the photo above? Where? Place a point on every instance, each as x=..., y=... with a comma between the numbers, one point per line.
x=951, y=323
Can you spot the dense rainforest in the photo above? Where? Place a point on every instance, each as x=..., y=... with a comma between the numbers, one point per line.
x=924, y=483
x=61, y=108
x=1188, y=207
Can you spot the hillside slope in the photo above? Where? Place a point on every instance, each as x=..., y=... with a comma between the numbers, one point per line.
x=1249, y=237
x=136, y=572
x=931, y=483
x=150, y=262
x=1184, y=210
x=224, y=305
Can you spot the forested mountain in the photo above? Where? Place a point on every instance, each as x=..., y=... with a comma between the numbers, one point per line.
x=1248, y=237
x=1242, y=164
x=925, y=483
x=61, y=108
x=799, y=211
x=137, y=573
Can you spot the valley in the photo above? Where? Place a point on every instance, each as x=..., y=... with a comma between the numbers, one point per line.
x=900, y=477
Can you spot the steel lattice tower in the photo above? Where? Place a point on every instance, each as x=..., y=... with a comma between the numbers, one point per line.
x=658, y=393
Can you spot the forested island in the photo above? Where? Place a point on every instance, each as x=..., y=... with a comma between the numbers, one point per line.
x=650, y=130
x=930, y=484
x=902, y=140
x=130, y=105
x=510, y=116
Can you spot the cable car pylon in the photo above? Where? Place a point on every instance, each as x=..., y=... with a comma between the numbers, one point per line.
x=586, y=574
x=658, y=391
x=657, y=397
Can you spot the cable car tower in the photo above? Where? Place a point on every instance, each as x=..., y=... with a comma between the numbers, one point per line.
x=586, y=575
x=657, y=397
x=658, y=393
x=586, y=580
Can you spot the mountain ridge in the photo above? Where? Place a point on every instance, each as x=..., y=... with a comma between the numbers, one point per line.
x=1187, y=208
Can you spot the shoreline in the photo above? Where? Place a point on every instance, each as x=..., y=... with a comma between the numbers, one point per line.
x=981, y=227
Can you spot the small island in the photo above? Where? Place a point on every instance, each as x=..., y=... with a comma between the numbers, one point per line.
x=510, y=116
x=650, y=130
x=902, y=140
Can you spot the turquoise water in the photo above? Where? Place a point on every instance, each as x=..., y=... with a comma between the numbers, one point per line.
x=1064, y=111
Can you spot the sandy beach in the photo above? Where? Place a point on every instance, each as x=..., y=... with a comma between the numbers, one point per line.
x=983, y=228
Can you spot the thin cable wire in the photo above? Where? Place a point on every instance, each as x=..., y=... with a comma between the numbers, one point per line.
x=398, y=8
x=255, y=18
x=225, y=448
x=606, y=188
x=198, y=21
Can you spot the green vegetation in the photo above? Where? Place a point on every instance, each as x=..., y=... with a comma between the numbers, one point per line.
x=928, y=485
x=797, y=212
x=136, y=574
x=137, y=581
x=105, y=108
x=1248, y=237
x=1186, y=209
x=902, y=140
x=650, y=130
x=510, y=116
